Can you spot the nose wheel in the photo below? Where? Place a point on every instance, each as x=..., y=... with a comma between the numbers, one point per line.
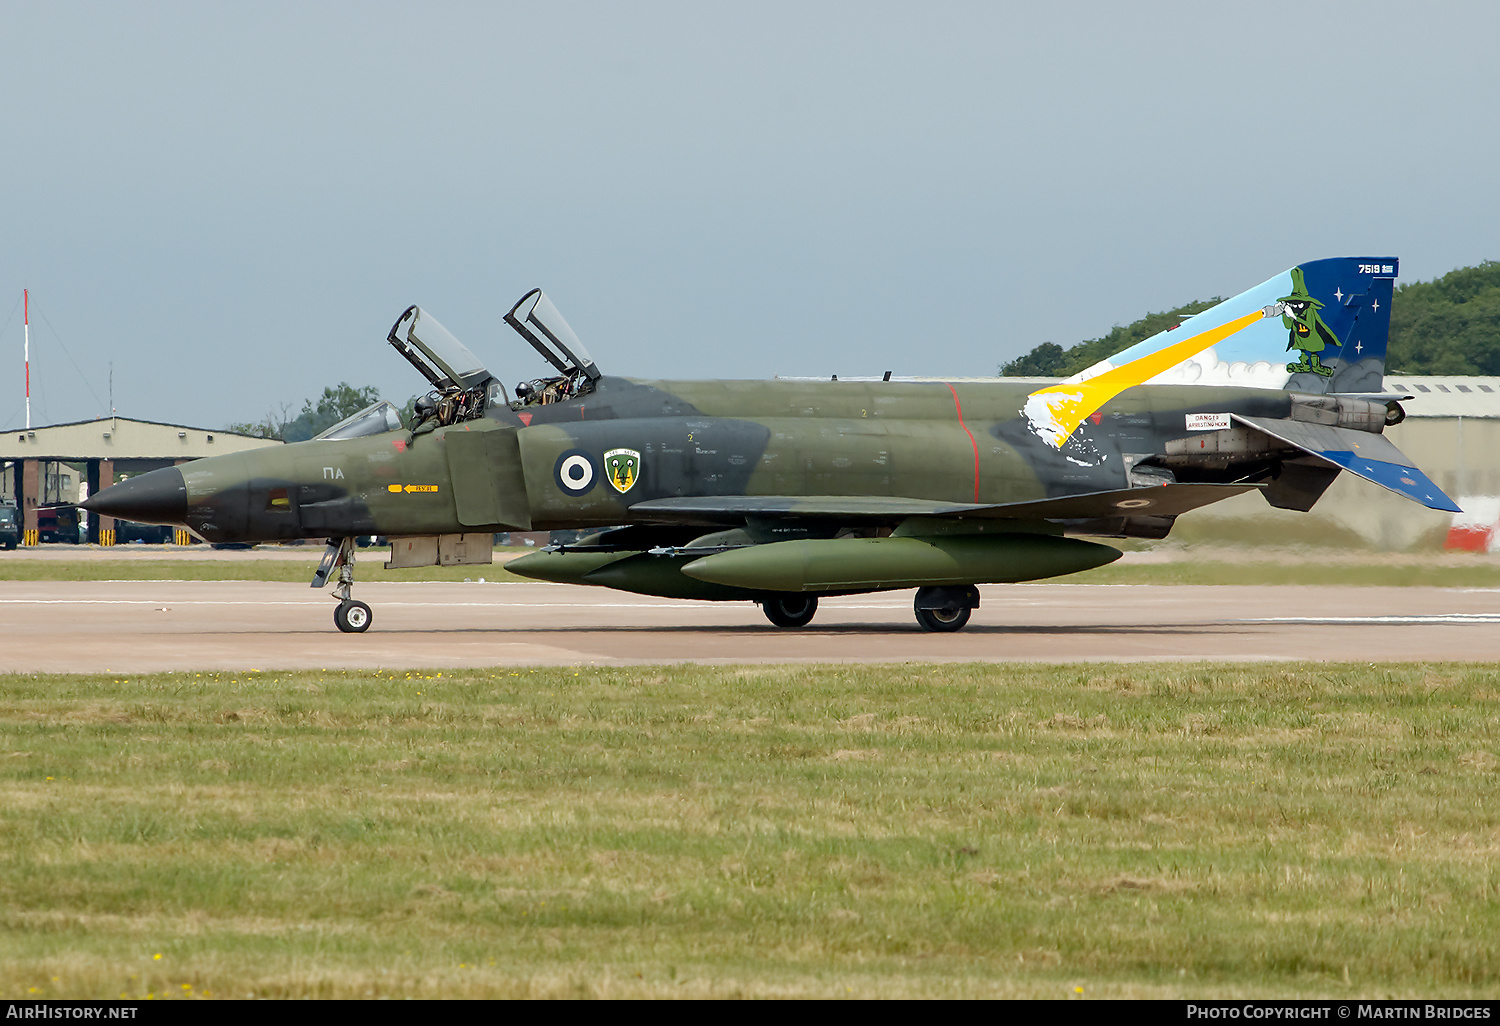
x=349, y=616
x=352, y=617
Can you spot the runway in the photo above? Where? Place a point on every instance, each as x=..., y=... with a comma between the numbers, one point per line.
x=152, y=626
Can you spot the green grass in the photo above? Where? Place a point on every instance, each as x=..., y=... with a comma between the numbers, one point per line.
x=860, y=831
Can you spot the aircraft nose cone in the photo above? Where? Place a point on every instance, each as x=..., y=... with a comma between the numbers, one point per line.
x=156, y=497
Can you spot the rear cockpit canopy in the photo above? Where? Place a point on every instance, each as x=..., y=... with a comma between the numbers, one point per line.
x=539, y=323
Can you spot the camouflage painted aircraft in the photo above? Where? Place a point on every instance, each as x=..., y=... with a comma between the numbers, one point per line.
x=782, y=492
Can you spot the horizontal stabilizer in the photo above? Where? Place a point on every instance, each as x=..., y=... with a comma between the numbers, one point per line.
x=1156, y=500
x=1370, y=456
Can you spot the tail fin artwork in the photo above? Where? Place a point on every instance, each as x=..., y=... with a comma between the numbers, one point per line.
x=1318, y=327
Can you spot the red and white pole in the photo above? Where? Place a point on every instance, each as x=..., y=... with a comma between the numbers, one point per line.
x=26, y=304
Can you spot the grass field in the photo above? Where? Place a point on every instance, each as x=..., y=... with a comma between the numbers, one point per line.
x=839, y=831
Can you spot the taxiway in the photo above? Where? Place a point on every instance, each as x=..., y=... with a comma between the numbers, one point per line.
x=151, y=626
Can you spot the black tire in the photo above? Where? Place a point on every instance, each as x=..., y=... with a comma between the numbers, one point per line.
x=790, y=610
x=944, y=621
x=352, y=617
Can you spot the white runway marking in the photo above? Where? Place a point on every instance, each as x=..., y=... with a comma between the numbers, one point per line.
x=1450, y=618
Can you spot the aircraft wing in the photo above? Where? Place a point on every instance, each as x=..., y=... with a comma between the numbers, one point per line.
x=1167, y=500
x=1370, y=456
x=1156, y=500
x=733, y=508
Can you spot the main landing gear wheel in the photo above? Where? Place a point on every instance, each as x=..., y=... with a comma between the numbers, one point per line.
x=790, y=610
x=945, y=609
x=943, y=620
x=352, y=617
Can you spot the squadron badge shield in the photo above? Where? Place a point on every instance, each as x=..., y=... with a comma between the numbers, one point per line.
x=622, y=467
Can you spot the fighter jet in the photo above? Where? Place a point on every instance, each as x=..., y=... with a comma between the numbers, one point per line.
x=782, y=492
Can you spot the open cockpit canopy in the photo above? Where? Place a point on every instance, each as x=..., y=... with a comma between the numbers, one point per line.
x=539, y=323
x=436, y=354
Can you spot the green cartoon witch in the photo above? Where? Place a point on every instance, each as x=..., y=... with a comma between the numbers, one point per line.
x=1306, y=331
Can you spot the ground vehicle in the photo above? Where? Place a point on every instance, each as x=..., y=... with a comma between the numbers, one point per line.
x=127, y=531
x=10, y=527
x=57, y=524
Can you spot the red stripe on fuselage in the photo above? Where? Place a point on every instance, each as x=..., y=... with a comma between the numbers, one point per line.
x=959, y=407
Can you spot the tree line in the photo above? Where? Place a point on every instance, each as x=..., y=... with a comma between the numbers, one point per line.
x=1450, y=325
x=317, y=415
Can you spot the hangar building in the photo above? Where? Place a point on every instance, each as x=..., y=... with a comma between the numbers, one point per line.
x=35, y=461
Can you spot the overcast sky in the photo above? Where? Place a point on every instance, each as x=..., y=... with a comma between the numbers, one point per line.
x=232, y=202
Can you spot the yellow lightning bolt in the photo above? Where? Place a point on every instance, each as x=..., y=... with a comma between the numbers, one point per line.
x=1057, y=410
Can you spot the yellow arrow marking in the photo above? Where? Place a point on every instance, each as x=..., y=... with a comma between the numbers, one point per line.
x=1057, y=410
x=408, y=489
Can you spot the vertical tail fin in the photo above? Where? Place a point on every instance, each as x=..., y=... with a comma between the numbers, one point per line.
x=1318, y=327
x=1326, y=331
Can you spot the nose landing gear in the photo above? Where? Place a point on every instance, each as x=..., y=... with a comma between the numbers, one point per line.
x=349, y=616
x=352, y=617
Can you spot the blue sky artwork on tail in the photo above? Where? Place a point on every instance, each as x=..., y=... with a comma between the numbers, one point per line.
x=1324, y=330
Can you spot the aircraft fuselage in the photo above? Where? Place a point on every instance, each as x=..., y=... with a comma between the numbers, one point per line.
x=961, y=443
